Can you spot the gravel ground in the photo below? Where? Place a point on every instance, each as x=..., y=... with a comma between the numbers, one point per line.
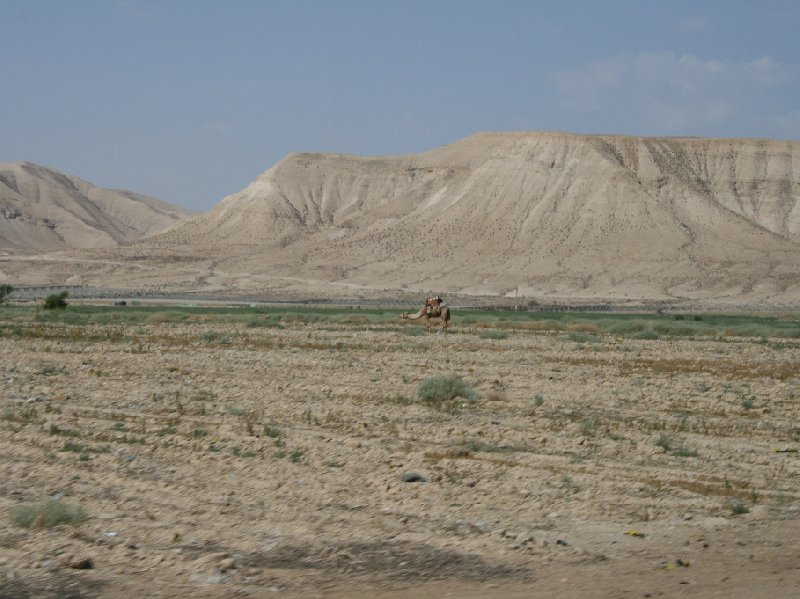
x=217, y=460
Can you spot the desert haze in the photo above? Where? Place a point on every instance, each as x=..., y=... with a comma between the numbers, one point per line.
x=534, y=215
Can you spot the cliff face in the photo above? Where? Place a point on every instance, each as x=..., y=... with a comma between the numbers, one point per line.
x=528, y=213
x=44, y=210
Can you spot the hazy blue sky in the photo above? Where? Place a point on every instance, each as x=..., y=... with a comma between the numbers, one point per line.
x=190, y=100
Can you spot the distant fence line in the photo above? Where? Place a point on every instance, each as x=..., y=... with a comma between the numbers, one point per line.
x=99, y=293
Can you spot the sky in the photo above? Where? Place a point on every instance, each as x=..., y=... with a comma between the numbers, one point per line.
x=190, y=100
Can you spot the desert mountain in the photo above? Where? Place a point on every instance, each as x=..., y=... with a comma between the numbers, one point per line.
x=533, y=214
x=42, y=209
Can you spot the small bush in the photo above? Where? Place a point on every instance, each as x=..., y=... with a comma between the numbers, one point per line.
x=56, y=301
x=272, y=432
x=5, y=291
x=685, y=452
x=439, y=389
x=738, y=507
x=46, y=514
x=664, y=442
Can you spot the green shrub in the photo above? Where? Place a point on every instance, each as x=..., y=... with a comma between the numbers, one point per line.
x=439, y=389
x=46, y=514
x=56, y=301
x=5, y=291
x=664, y=442
x=737, y=508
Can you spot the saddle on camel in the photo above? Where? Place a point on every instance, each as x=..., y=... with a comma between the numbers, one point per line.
x=434, y=308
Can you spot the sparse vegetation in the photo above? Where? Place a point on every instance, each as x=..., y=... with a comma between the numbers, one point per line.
x=664, y=442
x=738, y=507
x=47, y=513
x=492, y=334
x=441, y=389
x=328, y=396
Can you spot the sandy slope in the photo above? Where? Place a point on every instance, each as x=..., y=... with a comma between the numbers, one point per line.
x=43, y=209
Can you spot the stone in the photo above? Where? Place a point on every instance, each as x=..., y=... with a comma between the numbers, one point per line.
x=84, y=563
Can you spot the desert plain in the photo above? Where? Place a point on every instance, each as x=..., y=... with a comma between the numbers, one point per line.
x=293, y=452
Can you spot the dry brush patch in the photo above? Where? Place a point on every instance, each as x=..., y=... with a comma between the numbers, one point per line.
x=195, y=437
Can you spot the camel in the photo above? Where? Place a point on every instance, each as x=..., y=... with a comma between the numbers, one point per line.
x=429, y=311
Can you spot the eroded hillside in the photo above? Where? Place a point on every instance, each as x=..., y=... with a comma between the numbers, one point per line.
x=535, y=213
x=42, y=209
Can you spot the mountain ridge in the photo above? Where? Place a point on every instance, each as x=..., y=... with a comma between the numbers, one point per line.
x=514, y=209
x=538, y=214
x=44, y=209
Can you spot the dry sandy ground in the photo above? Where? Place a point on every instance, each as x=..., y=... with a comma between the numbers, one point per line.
x=220, y=460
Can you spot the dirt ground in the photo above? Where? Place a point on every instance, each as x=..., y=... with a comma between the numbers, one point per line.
x=223, y=460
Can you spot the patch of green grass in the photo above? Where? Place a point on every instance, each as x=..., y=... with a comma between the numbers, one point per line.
x=438, y=390
x=664, y=442
x=47, y=513
x=492, y=334
x=684, y=452
x=738, y=507
x=24, y=416
x=669, y=446
x=75, y=447
x=647, y=334
x=568, y=484
x=580, y=337
x=51, y=371
x=412, y=331
x=272, y=431
x=167, y=430
x=64, y=432
x=204, y=395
